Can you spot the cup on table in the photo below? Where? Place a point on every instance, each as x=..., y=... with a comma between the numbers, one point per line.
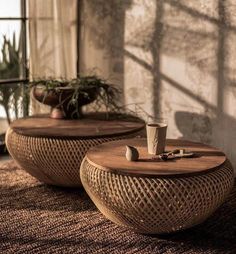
x=156, y=136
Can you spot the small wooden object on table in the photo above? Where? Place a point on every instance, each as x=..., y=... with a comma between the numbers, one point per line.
x=153, y=196
x=52, y=150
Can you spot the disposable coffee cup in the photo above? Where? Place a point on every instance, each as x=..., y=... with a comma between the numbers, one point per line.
x=156, y=137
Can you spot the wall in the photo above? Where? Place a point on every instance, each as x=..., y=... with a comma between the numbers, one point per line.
x=174, y=58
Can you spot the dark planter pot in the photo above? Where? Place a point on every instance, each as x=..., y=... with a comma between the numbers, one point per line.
x=60, y=100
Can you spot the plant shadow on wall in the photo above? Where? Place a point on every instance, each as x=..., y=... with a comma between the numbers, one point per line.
x=211, y=55
x=199, y=34
x=104, y=23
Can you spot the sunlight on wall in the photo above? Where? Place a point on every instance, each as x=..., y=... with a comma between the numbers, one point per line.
x=138, y=60
x=176, y=58
x=180, y=62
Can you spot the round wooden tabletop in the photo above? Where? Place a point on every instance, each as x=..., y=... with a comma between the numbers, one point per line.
x=91, y=126
x=111, y=157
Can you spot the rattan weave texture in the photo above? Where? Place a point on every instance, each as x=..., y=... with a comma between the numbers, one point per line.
x=157, y=205
x=40, y=219
x=53, y=160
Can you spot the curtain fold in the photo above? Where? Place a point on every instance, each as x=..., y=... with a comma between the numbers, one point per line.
x=52, y=40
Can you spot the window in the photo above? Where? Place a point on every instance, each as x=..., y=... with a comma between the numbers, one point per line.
x=13, y=60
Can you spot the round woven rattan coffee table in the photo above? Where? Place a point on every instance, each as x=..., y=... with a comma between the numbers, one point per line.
x=152, y=196
x=52, y=150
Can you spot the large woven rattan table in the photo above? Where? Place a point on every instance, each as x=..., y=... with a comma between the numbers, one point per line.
x=152, y=196
x=52, y=150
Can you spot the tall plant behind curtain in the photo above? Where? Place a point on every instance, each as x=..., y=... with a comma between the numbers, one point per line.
x=52, y=40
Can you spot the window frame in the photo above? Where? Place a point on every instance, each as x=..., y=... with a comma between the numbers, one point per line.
x=23, y=18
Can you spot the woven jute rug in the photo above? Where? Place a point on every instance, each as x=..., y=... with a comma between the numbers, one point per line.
x=36, y=218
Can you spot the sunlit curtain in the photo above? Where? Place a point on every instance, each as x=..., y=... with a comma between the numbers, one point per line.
x=52, y=40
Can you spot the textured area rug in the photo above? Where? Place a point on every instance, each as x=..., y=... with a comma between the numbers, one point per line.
x=36, y=218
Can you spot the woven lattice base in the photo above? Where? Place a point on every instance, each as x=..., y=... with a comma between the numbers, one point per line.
x=52, y=160
x=157, y=205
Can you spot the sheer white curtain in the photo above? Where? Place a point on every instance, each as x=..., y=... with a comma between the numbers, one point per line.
x=52, y=40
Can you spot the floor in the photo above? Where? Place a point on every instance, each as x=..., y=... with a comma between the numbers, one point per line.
x=4, y=158
x=37, y=218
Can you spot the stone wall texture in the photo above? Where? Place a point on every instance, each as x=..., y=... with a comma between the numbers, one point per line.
x=173, y=58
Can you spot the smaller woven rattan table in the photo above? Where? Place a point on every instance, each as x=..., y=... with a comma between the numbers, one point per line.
x=156, y=197
x=52, y=150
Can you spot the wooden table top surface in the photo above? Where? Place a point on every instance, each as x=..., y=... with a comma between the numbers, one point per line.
x=92, y=126
x=111, y=157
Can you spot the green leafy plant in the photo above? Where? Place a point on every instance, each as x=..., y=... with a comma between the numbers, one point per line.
x=105, y=94
x=11, y=94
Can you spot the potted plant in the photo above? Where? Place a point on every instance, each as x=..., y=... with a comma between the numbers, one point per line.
x=12, y=95
x=67, y=97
